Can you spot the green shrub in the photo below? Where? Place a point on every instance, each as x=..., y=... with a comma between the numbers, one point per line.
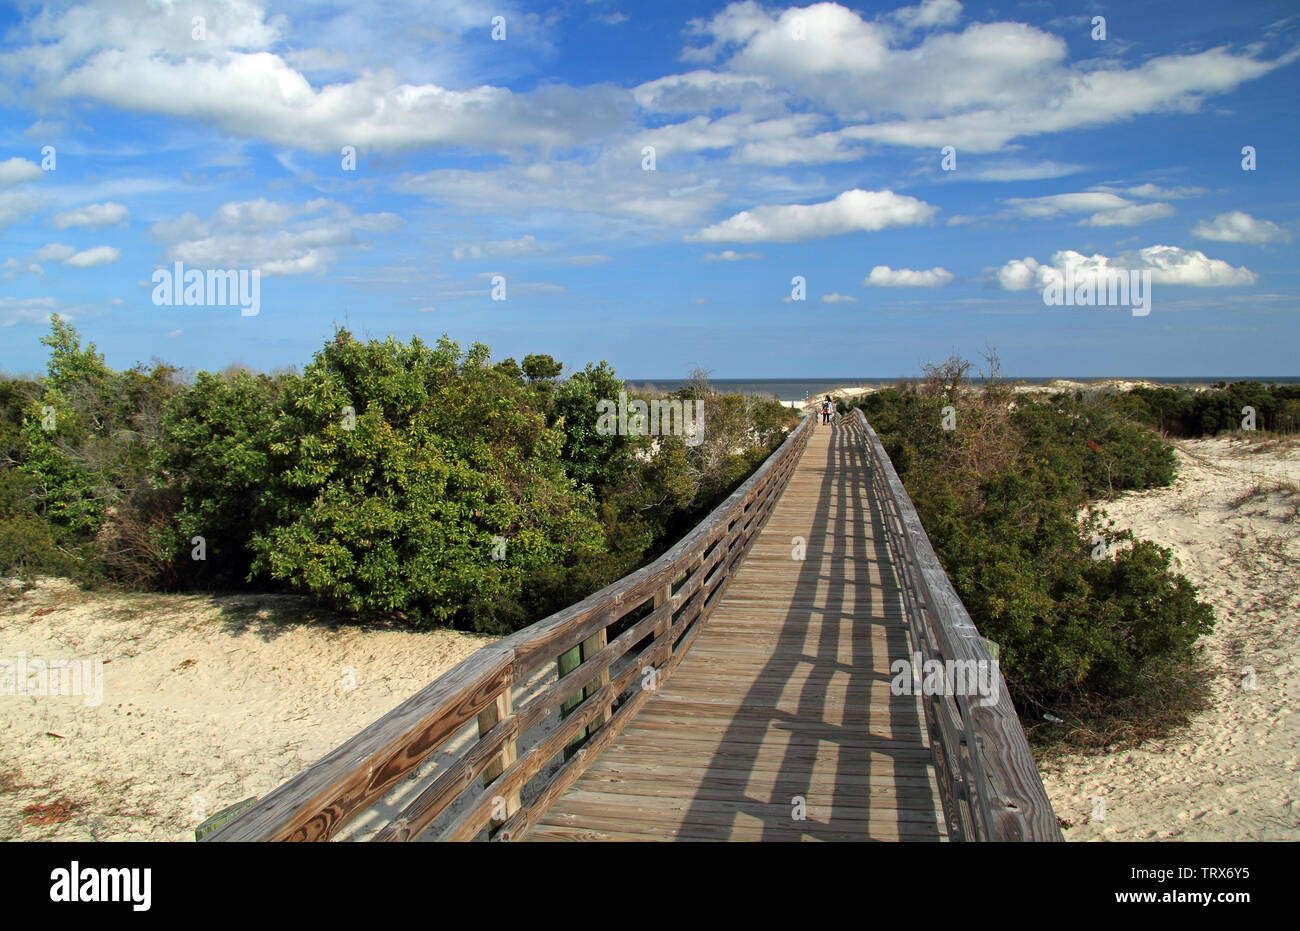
x=1107, y=644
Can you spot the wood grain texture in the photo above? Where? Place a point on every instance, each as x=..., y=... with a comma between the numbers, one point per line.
x=1009, y=801
x=779, y=723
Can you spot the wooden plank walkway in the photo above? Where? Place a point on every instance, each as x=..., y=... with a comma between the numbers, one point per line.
x=783, y=696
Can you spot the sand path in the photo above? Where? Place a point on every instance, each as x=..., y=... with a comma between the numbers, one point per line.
x=1235, y=773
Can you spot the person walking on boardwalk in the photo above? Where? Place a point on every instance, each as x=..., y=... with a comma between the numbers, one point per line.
x=826, y=410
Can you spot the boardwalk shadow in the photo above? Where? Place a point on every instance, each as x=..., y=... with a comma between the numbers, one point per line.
x=863, y=771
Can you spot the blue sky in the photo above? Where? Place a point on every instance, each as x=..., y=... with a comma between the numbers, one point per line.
x=787, y=141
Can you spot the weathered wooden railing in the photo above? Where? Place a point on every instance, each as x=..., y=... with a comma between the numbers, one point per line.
x=543, y=701
x=989, y=784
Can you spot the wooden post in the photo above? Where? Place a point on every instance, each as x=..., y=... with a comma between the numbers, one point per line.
x=661, y=598
x=488, y=718
x=590, y=647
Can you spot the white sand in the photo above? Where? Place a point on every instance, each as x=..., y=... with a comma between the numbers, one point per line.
x=1235, y=773
x=206, y=702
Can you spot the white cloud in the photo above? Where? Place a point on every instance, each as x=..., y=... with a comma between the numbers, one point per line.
x=1169, y=265
x=89, y=258
x=1018, y=274
x=92, y=216
x=929, y=14
x=1236, y=226
x=239, y=79
x=17, y=170
x=14, y=267
x=852, y=211
x=19, y=310
x=838, y=299
x=978, y=89
x=882, y=276
x=1155, y=192
x=276, y=238
x=54, y=252
x=1131, y=215
x=525, y=245
x=1019, y=171
x=16, y=204
x=1055, y=204
x=584, y=260
x=1107, y=209
x=612, y=186
x=730, y=255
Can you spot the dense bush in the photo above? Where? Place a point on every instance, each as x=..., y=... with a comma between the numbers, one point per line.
x=1107, y=644
x=1186, y=412
x=389, y=478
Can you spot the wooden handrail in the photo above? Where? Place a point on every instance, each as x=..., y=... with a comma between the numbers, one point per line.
x=989, y=784
x=505, y=777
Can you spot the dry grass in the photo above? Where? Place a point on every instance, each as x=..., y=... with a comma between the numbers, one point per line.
x=1263, y=490
x=43, y=814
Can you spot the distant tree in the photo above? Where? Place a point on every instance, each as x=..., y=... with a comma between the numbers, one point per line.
x=541, y=368
x=510, y=368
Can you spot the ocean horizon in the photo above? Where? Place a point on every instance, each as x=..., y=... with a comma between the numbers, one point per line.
x=796, y=389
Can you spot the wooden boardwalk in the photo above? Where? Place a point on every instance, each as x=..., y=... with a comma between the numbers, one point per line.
x=783, y=697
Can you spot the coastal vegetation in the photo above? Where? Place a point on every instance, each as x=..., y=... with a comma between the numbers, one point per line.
x=397, y=479
x=1097, y=635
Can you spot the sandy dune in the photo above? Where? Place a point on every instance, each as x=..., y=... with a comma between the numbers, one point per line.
x=206, y=702
x=1235, y=773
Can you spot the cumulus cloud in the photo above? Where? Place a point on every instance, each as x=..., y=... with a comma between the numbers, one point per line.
x=16, y=203
x=1131, y=215
x=851, y=212
x=838, y=299
x=611, y=186
x=89, y=258
x=240, y=79
x=92, y=216
x=1106, y=208
x=1019, y=171
x=882, y=276
x=730, y=255
x=929, y=14
x=978, y=88
x=1055, y=204
x=71, y=257
x=54, y=252
x=14, y=267
x=1236, y=226
x=1169, y=265
x=17, y=170
x=276, y=238
x=17, y=310
x=1018, y=274
x=525, y=245
x=1155, y=192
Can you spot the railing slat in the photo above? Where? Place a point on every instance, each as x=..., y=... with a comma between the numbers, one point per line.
x=1004, y=788
x=318, y=802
